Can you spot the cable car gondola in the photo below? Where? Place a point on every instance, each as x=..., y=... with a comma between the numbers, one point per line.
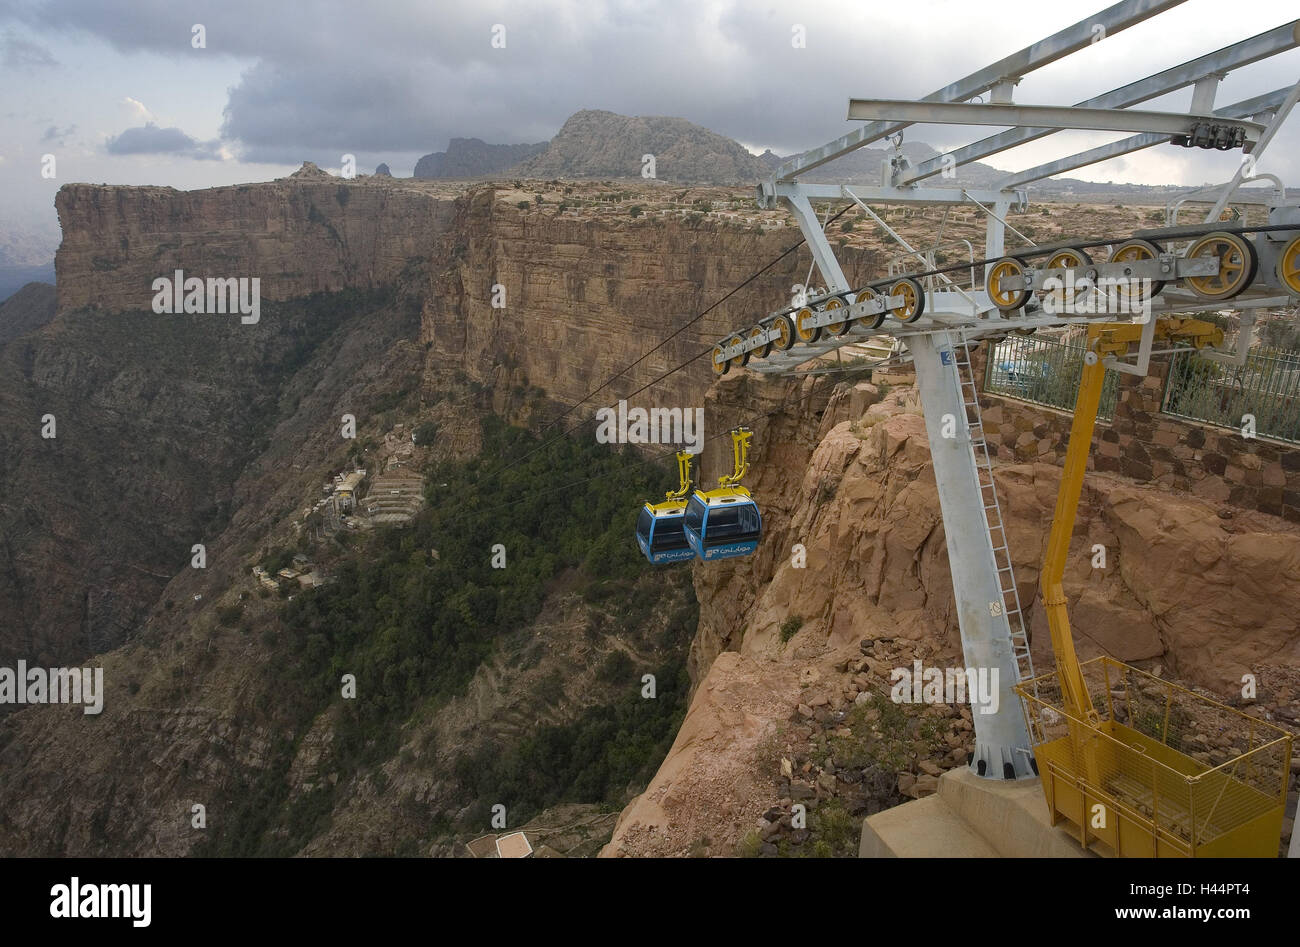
x=659, y=530
x=725, y=523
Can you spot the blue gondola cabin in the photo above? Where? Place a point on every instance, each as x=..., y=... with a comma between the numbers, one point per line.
x=722, y=524
x=660, y=535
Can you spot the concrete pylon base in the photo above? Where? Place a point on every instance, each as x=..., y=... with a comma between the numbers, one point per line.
x=970, y=817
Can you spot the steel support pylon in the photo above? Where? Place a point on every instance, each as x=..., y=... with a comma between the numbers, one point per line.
x=1002, y=745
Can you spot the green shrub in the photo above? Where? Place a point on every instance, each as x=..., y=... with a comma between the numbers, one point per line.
x=426, y=433
x=790, y=627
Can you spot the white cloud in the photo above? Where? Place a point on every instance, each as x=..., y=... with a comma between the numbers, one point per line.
x=139, y=111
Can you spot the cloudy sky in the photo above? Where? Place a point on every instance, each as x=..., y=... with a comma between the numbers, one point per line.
x=118, y=93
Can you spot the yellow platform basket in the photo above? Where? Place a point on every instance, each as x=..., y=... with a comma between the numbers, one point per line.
x=1164, y=773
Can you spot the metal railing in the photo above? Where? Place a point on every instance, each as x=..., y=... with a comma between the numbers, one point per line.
x=1185, y=774
x=1267, y=388
x=1043, y=371
x=903, y=263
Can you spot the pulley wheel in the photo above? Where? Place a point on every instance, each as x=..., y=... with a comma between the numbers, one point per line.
x=913, y=299
x=786, y=335
x=1237, y=265
x=871, y=322
x=720, y=365
x=1071, y=258
x=1005, y=298
x=808, y=333
x=741, y=359
x=1288, y=267
x=1135, y=251
x=836, y=328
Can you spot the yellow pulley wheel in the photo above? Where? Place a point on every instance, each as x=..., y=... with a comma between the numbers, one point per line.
x=1288, y=267
x=1069, y=258
x=1135, y=251
x=720, y=365
x=1237, y=265
x=1006, y=298
x=803, y=325
x=743, y=357
x=842, y=326
x=786, y=335
x=765, y=349
x=1062, y=299
x=913, y=299
x=871, y=322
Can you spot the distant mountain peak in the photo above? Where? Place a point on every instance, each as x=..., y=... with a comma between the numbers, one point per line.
x=474, y=158
x=594, y=143
x=309, y=171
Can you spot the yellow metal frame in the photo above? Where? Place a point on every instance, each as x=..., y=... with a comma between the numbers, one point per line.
x=740, y=438
x=1131, y=786
x=1084, y=766
x=676, y=499
x=729, y=484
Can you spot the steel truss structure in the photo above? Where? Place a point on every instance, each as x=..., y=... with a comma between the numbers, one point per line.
x=937, y=319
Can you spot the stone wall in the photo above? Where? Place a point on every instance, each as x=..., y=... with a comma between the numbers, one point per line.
x=1142, y=443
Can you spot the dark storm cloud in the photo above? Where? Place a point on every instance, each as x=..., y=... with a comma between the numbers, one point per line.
x=339, y=77
x=406, y=76
x=150, y=139
x=54, y=133
x=18, y=53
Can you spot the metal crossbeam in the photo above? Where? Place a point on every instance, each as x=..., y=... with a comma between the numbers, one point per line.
x=912, y=195
x=1214, y=64
x=1046, y=51
x=1253, y=106
x=1042, y=116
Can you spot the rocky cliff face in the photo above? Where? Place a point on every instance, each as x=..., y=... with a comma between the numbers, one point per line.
x=307, y=233
x=581, y=301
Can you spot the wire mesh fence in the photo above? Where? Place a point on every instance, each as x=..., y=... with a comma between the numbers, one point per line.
x=1182, y=773
x=1043, y=371
x=1266, y=388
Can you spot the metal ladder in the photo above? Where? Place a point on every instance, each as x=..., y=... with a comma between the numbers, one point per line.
x=997, y=532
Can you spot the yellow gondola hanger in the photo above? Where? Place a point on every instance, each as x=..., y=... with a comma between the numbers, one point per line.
x=683, y=476
x=740, y=438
